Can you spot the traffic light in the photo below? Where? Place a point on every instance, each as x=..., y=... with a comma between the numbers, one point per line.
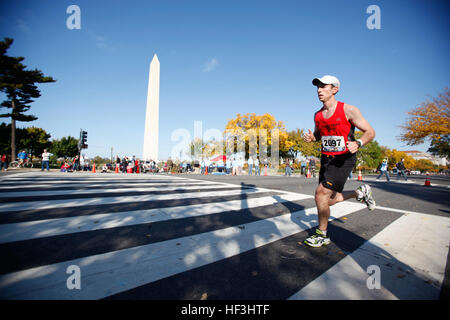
x=83, y=140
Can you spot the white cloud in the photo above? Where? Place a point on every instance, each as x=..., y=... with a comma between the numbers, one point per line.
x=23, y=26
x=101, y=42
x=210, y=65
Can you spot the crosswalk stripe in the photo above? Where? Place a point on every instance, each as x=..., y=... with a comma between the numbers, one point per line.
x=4, y=189
x=21, y=196
x=48, y=204
x=415, y=244
x=113, y=272
x=51, y=227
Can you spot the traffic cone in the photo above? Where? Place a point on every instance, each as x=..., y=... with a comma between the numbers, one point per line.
x=359, y=175
x=265, y=170
x=427, y=181
x=206, y=170
x=308, y=174
x=117, y=169
x=93, y=168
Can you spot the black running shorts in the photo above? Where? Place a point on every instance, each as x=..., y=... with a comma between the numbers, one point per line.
x=334, y=170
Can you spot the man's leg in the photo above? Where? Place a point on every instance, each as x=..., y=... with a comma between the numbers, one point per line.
x=322, y=198
x=325, y=198
x=404, y=175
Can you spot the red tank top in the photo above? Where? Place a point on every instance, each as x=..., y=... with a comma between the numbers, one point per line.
x=335, y=131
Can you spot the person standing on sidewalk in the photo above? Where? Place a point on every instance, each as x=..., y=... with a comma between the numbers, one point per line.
x=335, y=123
x=45, y=160
x=287, y=169
x=257, y=169
x=250, y=165
x=4, y=162
x=312, y=166
x=76, y=163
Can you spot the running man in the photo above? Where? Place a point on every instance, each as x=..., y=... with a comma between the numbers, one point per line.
x=335, y=124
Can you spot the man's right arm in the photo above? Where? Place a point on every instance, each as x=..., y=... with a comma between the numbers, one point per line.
x=312, y=136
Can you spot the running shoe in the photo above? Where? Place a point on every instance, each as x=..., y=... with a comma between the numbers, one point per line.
x=364, y=193
x=318, y=240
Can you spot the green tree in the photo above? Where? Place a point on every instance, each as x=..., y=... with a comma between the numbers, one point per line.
x=20, y=88
x=370, y=155
x=440, y=146
x=65, y=147
x=35, y=140
x=99, y=161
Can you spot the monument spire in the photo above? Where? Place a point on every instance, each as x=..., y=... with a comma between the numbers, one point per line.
x=150, y=151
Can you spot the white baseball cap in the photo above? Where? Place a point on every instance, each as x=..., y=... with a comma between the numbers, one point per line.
x=327, y=79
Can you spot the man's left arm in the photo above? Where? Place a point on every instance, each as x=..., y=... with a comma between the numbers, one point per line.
x=355, y=116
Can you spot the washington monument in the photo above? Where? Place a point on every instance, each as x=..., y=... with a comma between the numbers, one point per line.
x=152, y=114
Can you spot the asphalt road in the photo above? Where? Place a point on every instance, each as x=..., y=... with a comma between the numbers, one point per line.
x=217, y=237
x=411, y=195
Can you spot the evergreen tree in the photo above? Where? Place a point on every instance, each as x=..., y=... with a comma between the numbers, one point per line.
x=20, y=88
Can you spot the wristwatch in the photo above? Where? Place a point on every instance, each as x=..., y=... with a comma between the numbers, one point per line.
x=359, y=142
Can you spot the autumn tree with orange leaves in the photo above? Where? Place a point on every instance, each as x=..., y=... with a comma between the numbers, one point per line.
x=430, y=121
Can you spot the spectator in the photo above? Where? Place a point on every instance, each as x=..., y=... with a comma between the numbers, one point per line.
x=257, y=169
x=22, y=158
x=104, y=168
x=4, y=162
x=250, y=165
x=65, y=167
x=124, y=164
x=228, y=165
x=76, y=163
x=303, y=166
x=169, y=165
x=312, y=166
x=45, y=160
x=287, y=170
x=202, y=166
x=401, y=170
x=240, y=165
x=136, y=166
x=234, y=166
x=383, y=167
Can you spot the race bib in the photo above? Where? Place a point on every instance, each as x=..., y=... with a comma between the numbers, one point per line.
x=333, y=143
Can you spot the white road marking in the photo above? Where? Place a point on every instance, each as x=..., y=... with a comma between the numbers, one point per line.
x=411, y=253
x=110, y=273
x=52, y=227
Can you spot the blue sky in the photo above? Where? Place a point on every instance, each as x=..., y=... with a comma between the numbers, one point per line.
x=220, y=58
